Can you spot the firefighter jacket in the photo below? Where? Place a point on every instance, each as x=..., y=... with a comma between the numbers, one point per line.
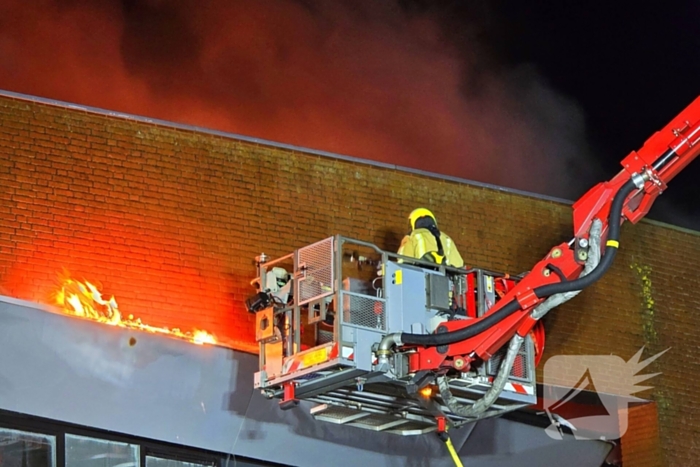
x=421, y=244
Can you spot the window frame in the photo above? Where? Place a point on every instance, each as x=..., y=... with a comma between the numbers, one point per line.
x=147, y=447
x=37, y=433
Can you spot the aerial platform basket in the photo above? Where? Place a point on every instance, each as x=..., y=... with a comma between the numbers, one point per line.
x=322, y=310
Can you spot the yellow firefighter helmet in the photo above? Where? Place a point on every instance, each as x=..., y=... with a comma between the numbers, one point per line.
x=417, y=214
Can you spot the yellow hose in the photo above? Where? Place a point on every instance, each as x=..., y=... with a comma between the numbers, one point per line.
x=453, y=452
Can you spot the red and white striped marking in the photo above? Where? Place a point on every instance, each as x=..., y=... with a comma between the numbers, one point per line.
x=520, y=388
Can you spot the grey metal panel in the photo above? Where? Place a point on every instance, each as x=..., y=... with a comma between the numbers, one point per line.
x=300, y=440
x=499, y=442
x=87, y=373
x=165, y=389
x=363, y=348
x=406, y=300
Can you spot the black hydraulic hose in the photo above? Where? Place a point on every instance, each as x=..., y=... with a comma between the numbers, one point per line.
x=607, y=259
x=430, y=340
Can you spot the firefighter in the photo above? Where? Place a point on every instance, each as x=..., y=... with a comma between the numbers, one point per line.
x=426, y=242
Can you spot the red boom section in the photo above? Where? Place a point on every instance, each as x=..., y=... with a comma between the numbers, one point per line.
x=679, y=140
x=485, y=344
x=661, y=158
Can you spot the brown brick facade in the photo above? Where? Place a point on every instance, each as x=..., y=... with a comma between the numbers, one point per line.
x=640, y=445
x=169, y=222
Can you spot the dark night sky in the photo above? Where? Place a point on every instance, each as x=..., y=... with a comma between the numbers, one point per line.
x=542, y=96
x=631, y=66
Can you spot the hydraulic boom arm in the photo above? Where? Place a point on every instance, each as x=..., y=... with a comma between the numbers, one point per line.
x=475, y=334
x=627, y=196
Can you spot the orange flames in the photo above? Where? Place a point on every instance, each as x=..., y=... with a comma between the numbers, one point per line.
x=84, y=299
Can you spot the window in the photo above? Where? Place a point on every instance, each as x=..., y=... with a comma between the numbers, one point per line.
x=29, y=441
x=158, y=462
x=90, y=452
x=24, y=449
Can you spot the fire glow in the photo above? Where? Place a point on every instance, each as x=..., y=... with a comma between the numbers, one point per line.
x=84, y=300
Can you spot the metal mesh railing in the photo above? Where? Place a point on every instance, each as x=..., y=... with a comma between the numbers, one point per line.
x=316, y=268
x=338, y=413
x=324, y=337
x=521, y=367
x=363, y=310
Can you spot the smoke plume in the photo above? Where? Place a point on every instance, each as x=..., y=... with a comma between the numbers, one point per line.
x=396, y=82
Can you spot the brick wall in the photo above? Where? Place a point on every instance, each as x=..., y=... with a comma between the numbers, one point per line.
x=640, y=445
x=169, y=220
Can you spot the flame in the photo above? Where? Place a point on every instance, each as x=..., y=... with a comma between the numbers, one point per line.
x=84, y=299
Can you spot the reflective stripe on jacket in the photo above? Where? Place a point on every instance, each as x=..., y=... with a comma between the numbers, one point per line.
x=421, y=244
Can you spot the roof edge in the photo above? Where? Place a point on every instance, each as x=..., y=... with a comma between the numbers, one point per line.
x=276, y=144
x=300, y=149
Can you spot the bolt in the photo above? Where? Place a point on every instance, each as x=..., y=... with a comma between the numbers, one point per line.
x=545, y=272
x=261, y=259
x=583, y=255
x=583, y=243
x=556, y=253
